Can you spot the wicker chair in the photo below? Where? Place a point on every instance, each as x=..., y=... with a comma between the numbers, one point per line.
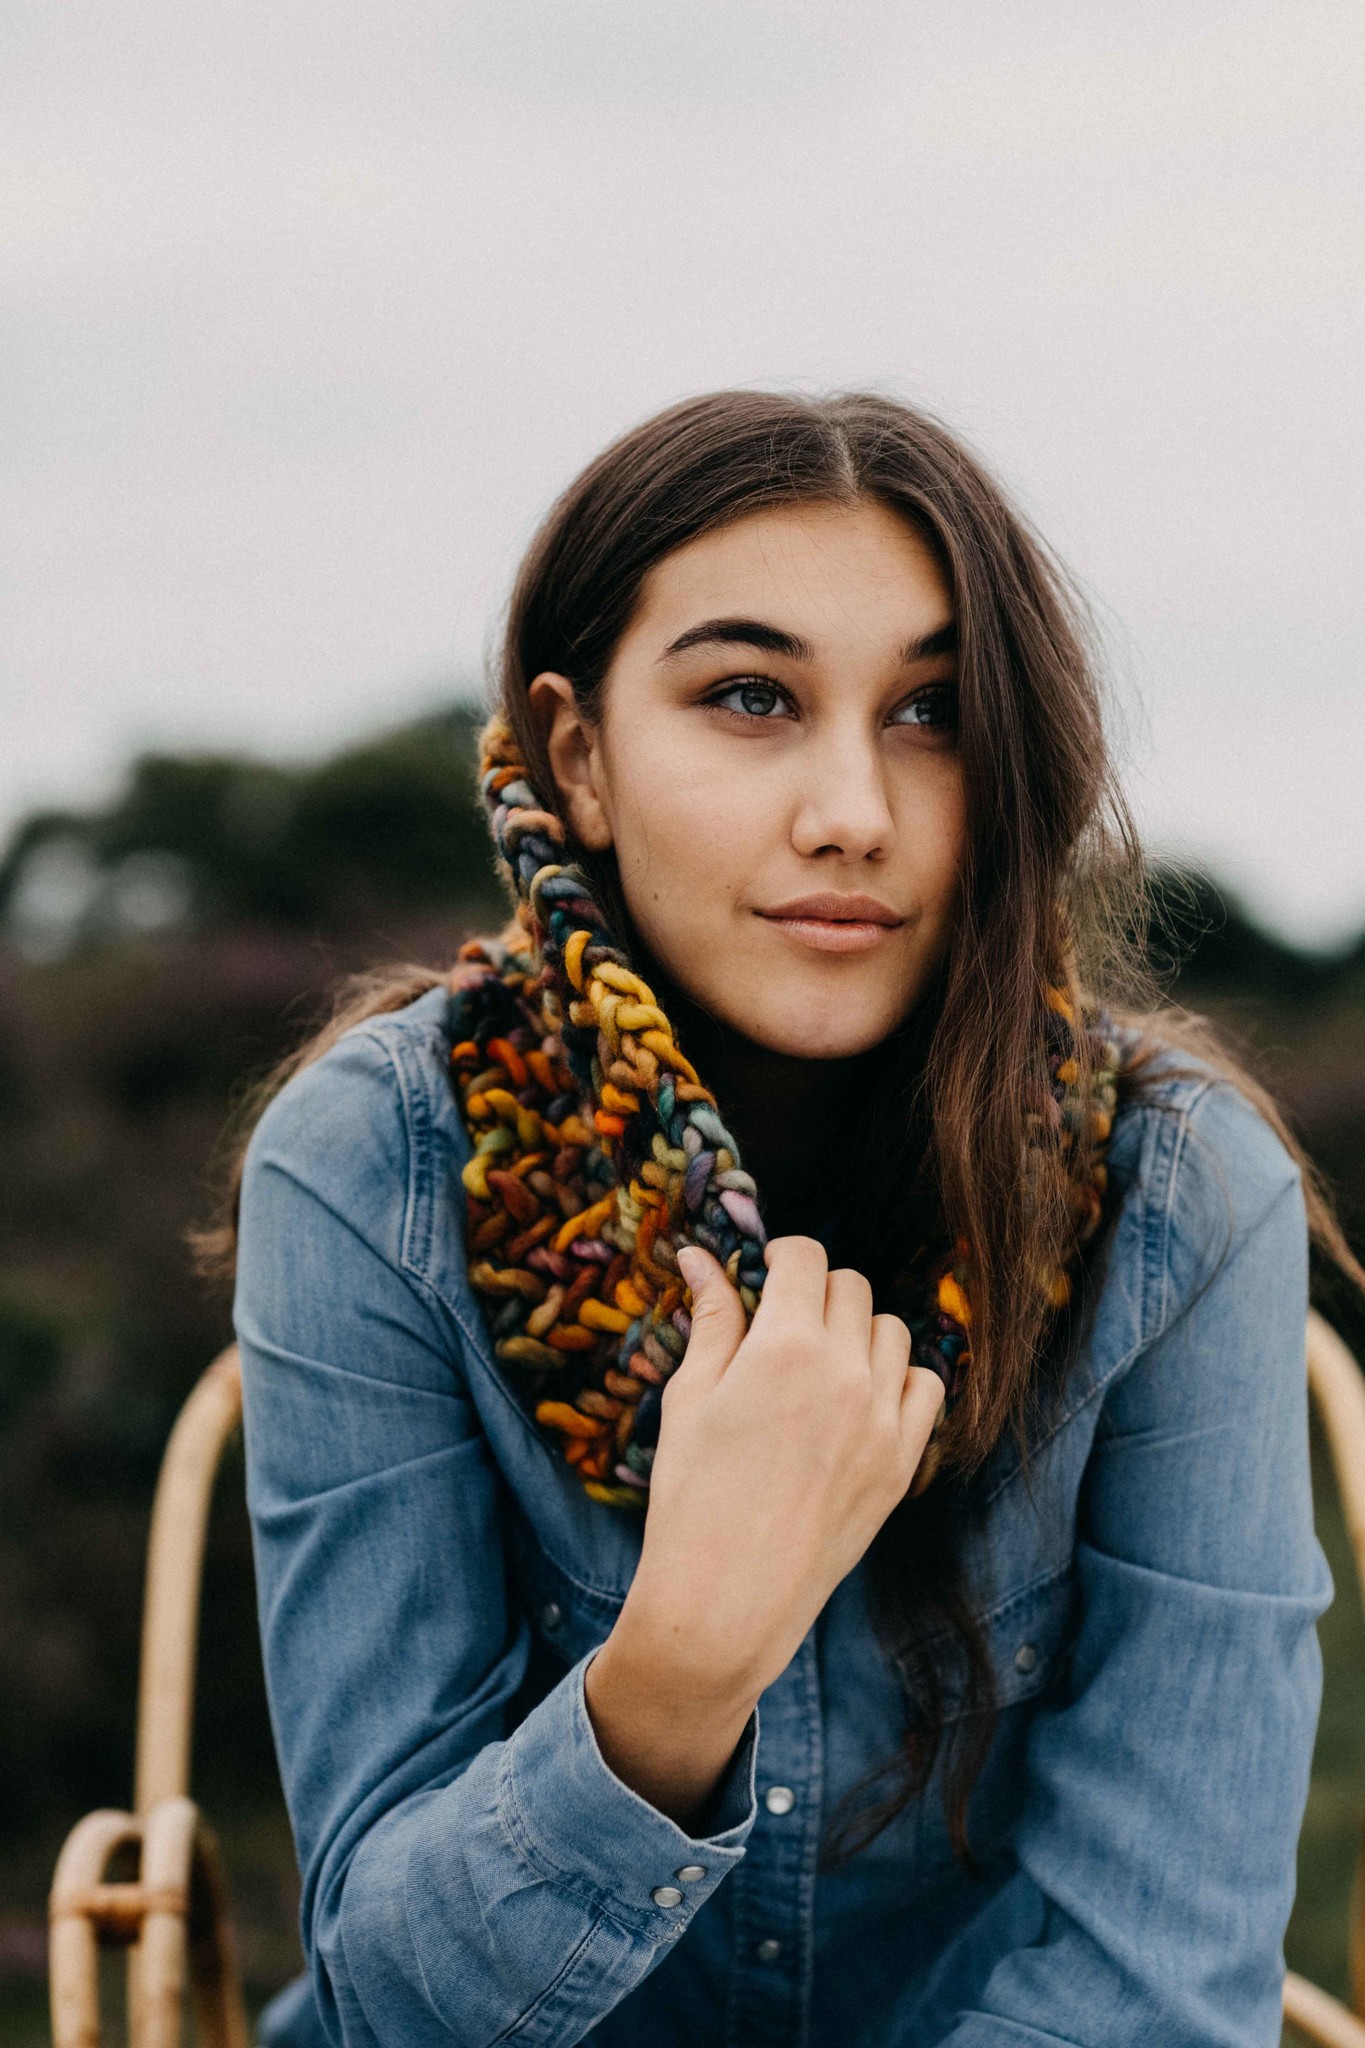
x=172, y=1917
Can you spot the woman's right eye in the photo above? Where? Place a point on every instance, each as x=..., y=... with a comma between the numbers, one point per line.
x=757, y=695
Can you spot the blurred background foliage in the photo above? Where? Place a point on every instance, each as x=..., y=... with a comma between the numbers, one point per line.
x=156, y=957
x=210, y=841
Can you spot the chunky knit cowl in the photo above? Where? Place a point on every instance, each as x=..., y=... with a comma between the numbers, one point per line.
x=598, y=1150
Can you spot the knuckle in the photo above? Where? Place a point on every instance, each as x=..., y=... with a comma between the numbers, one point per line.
x=797, y=1246
x=848, y=1280
x=891, y=1328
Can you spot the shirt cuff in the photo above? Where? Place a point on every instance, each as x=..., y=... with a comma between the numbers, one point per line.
x=574, y=1819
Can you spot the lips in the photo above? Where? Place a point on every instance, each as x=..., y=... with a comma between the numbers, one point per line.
x=829, y=908
x=834, y=924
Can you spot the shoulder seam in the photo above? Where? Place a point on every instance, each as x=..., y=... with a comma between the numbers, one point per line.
x=416, y=1107
x=1161, y=1221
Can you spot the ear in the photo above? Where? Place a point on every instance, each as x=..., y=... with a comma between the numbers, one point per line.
x=575, y=755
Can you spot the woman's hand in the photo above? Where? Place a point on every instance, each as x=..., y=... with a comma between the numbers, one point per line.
x=782, y=1450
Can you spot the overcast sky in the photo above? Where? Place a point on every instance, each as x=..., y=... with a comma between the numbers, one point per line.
x=311, y=308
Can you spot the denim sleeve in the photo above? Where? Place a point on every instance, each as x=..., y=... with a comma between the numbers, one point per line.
x=1167, y=1780
x=460, y=1882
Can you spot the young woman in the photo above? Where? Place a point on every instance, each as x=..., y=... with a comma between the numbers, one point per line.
x=777, y=1421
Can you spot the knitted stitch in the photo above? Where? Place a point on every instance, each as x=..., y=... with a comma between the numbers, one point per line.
x=598, y=1151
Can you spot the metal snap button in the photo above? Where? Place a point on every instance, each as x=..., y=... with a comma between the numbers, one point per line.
x=690, y=1872
x=1025, y=1657
x=779, y=1799
x=666, y=1895
x=768, y=1951
x=551, y=1614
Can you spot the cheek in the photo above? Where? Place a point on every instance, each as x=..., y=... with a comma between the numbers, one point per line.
x=939, y=837
x=680, y=847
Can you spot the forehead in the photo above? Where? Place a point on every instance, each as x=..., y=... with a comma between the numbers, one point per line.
x=825, y=571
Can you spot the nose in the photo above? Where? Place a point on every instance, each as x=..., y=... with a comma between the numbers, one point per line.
x=842, y=804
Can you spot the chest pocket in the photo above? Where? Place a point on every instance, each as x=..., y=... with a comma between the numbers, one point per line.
x=1028, y=1640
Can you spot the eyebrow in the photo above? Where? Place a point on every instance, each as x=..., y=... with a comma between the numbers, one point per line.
x=776, y=640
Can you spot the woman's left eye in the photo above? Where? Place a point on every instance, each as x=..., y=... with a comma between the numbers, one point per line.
x=757, y=696
x=934, y=706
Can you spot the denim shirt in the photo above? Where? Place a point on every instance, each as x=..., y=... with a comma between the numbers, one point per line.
x=433, y=1583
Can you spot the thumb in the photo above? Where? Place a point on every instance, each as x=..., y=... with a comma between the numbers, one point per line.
x=718, y=1320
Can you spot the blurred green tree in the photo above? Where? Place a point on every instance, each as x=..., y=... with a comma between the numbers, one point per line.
x=215, y=839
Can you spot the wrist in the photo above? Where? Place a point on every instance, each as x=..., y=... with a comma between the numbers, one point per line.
x=672, y=1662
x=663, y=1733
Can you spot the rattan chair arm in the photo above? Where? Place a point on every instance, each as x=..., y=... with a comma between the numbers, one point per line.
x=1318, y=2017
x=175, y=1557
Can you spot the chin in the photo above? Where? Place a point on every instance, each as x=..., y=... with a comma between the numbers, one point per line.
x=814, y=1039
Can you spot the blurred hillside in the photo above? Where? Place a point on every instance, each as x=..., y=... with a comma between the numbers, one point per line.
x=155, y=957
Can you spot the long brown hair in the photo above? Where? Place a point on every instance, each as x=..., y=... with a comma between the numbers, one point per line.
x=1051, y=893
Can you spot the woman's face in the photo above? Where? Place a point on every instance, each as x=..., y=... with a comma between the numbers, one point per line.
x=779, y=723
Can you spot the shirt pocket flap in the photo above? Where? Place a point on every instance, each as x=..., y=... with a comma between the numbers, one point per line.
x=1027, y=1638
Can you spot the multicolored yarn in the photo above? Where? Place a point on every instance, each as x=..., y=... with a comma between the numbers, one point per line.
x=940, y=1323
x=598, y=1151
